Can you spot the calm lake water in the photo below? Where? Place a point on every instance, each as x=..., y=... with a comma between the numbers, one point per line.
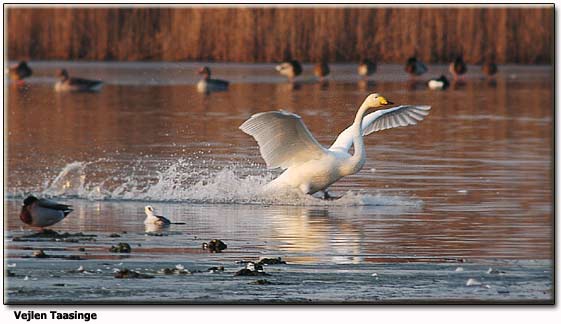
x=436, y=204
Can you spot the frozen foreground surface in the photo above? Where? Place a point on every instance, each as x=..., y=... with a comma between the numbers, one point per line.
x=435, y=207
x=413, y=282
x=331, y=255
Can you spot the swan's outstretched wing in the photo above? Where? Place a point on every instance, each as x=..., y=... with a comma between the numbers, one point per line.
x=380, y=120
x=283, y=139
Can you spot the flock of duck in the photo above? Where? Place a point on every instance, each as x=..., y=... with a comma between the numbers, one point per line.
x=290, y=69
x=414, y=67
x=41, y=213
x=21, y=71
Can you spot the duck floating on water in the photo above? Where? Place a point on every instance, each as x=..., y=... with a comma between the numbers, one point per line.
x=20, y=71
x=290, y=69
x=321, y=70
x=489, y=69
x=66, y=83
x=439, y=84
x=206, y=84
x=458, y=67
x=42, y=212
x=366, y=68
x=153, y=219
x=415, y=67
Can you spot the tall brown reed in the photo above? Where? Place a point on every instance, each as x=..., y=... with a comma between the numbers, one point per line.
x=269, y=34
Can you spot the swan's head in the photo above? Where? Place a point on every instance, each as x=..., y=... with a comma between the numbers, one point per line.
x=149, y=210
x=375, y=100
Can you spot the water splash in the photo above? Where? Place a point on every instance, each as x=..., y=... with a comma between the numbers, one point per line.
x=70, y=181
x=189, y=181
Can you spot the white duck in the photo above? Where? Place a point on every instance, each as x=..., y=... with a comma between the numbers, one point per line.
x=285, y=142
x=439, y=84
x=153, y=219
x=42, y=212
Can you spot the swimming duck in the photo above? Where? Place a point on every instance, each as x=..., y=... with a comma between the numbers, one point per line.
x=290, y=69
x=206, y=84
x=321, y=70
x=458, y=67
x=489, y=68
x=20, y=71
x=366, y=68
x=153, y=219
x=66, y=83
x=439, y=84
x=415, y=67
x=42, y=212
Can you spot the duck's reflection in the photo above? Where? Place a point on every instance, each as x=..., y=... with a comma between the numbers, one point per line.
x=365, y=85
x=492, y=83
x=323, y=84
x=290, y=86
x=313, y=234
x=458, y=84
x=153, y=228
x=414, y=85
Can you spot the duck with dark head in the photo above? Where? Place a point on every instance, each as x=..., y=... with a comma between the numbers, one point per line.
x=489, y=67
x=414, y=67
x=366, y=68
x=207, y=84
x=42, y=213
x=20, y=71
x=66, y=83
x=321, y=70
x=290, y=69
x=458, y=67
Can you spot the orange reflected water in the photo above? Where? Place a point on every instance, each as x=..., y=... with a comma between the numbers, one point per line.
x=472, y=180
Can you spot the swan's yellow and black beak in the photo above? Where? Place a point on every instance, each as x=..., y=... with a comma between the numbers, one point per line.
x=384, y=101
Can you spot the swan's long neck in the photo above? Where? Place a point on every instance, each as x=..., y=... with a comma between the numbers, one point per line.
x=359, y=155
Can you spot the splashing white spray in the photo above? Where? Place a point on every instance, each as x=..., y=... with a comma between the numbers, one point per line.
x=185, y=181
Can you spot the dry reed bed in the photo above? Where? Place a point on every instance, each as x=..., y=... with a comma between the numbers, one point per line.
x=510, y=35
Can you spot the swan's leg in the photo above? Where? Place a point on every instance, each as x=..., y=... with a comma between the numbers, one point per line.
x=327, y=196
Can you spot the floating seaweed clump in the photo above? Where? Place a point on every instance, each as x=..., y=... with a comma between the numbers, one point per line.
x=270, y=261
x=215, y=246
x=252, y=269
x=130, y=274
x=50, y=235
x=174, y=271
x=121, y=248
x=261, y=282
x=215, y=269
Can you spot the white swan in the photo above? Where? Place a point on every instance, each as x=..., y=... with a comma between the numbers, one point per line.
x=285, y=142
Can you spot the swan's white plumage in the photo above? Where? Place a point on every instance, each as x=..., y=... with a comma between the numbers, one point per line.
x=283, y=139
x=380, y=120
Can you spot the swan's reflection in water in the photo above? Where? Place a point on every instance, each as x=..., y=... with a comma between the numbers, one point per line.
x=312, y=235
